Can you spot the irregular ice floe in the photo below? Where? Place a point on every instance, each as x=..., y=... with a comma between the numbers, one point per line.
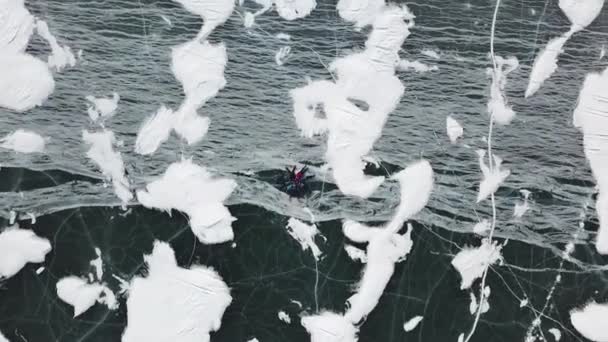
x=357, y=104
x=23, y=141
x=412, y=323
x=498, y=108
x=430, y=53
x=305, y=235
x=580, y=14
x=480, y=228
x=281, y=56
x=283, y=316
x=191, y=189
x=471, y=262
x=110, y=162
x=173, y=303
x=61, y=56
x=492, y=179
x=19, y=247
x=590, y=321
x=355, y=253
x=405, y=65
x=453, y=128
x=97, y=263
x=557, y=334
x=521, y=208
x=591, y=117
x=102, y=107
x=83, y=295
x=213, y=12
x=26, y=81
x=329, y=327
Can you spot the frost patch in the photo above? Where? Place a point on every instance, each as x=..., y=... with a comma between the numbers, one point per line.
x=491, y=179
x=406, y=65
x=480, y=228
x=191, y=189
x=26, y=81
x=110, y=162
x=355, y=253
x=591, y=117
x=283, y=316
x=590, y=321
x=19, y=247
x=281, y=56
x=82, y=295
x=521, y=207
x=283, y=36
x=498, y=107
x=453, y=128
x=329, y=327
x=557, y=334
x=102, y=107
x=154, y=131
x=305, y=235
x=173, y=303
x=61, y=56
x=23, y=141
x=471, y=262
x=412, y=323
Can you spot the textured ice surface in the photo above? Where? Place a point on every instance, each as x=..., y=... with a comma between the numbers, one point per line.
x=19, y=247
x=591, y=320
x=305, y=235
x=471, y=262
x=591, y=117
x=23, y=141
x=412, y=323
x=61, y=56
x=453, y=128
x=101, y=151
x=83, y=295
x=173, y=303
x=191, y=189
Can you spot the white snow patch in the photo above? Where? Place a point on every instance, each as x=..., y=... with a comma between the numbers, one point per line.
x=283, y=316
x=491, y=179
x=40, y=270
x=26, y=81
x=61, y=56
x=471, y=262
x=524, y=302
x=19, y=247
x=104, y=107
x=32, y=217
x=417, y=66
x=191, y=189
x=281, y=56
x=213, y=12
x=355, y=253
x=603, y=52
x=253, y=340
x=453, y=128
x=97, y=263
x=2, y=338
x=23, y=141
x=557, y=334
x=166, y=20
x=329, y=327
x=16, y=26
x=12, y=217
x=296, y=302
x=110, y=162
x=485, y=306
x=581, y=13
x=154, y=131
x=480, y=228
x=412, y=323
x=248, y=19
x=174, y=303
x=591, y=117
x=360, y=12
x=294, y=9
x=521, y=208
x=81, y=295
x=498, y=107
x=430, y=53
x=305, y=235
x=545, y=63
x=283, y=36
x=590, y=321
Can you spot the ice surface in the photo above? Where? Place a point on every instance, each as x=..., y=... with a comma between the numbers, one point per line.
x=405, y=65
x=23, y=141
x=498, y=108
x=19, y=247
x=82, y=295
x=110, y=162
x=355, y=253
x=305, y=235
x=154, y=131
x=454, y=129
x=104, y=107
x=471, y=262
x=329, y=327
x=412, y=323
x=590, y=321
x=174, y=303
x=491, y=180
x=591, y=117
x=26, y=81
x=213, y=12
x=283, y=316
x=61, y=56
x=557, y=334
x=191, y=189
